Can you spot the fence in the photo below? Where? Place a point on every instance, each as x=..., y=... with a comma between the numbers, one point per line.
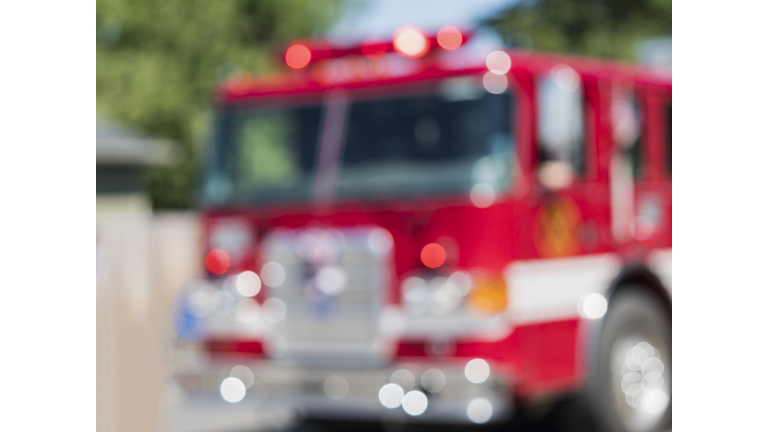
x=142, y=260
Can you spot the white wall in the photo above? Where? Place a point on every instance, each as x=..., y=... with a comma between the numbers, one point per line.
x=142, y=260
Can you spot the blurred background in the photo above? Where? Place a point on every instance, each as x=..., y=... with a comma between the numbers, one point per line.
x=157, y=66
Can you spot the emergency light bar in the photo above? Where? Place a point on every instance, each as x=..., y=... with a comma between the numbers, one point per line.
x=407, y=41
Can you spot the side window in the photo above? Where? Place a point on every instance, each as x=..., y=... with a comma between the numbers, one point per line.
x=668, y=136
x=560, y=127
x=627, y=127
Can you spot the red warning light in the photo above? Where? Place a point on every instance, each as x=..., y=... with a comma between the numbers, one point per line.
x=297, y=56
x=374, y=47
x=449, y=38
x=410, y=42
x=217, y=261
x=433, y=255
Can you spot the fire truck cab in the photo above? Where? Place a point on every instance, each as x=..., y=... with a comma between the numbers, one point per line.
x=406, y=231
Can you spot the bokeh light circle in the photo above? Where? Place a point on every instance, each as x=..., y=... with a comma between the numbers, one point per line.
x=593, y=306
x=480, y=410
x=482, y=195
x=275, y=345
x=433, y=380
x=410, y=42
x=374, y=47
x=433, y=255
x=477, y=371
x=274, y=310
x=415, y=403
x=248, y=284
x=460, y=283
x=232, y=390
x=449, y=38
x=380, y=241
x=297, y=56
x=335, y=387
x=272, y=274
x=217, y=261
x=494, y=83
x=331, y=280
x=566, y=78
x=244, y=374
x=498, y=62
x=404, y=378
x=391, y=395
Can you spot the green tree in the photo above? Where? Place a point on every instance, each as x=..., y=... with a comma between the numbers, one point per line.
x=602, y=28
x=157, y=63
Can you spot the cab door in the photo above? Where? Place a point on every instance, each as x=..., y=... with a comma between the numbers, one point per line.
x=640, y=170
x=572, y=193
x=568, y=222
x=654, y=196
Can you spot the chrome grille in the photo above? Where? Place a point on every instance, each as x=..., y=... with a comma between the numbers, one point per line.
x=335, y=281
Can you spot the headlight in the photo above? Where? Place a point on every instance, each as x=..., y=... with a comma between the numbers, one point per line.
x=456, y=294
x=415, y=292
x=233, y=236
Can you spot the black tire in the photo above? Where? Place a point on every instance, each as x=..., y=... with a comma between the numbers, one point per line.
x=624, y=394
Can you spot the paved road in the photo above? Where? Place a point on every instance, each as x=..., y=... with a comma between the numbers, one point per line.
x=560, y=419
x=215, y=415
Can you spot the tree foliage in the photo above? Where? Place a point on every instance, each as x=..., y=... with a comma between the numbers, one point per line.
x=158, y=62
x=602, y=28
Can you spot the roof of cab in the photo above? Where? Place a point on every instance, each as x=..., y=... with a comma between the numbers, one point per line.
x=353, y=72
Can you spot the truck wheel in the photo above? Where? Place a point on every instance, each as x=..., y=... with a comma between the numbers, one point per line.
x=632, y=386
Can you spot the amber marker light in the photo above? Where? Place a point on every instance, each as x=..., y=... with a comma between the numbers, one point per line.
x=449, y=38
x=488, y=296
x=433, y=255
x=297, y=56
x=217, y=261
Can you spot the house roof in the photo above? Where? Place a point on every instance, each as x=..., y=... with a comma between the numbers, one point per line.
x=118, y=145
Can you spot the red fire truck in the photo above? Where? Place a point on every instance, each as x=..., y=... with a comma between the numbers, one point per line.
x=409, y=231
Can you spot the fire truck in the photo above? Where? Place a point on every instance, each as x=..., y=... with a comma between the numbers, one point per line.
x=410, y=230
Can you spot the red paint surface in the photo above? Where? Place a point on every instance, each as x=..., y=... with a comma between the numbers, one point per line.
x=228, y=346
x=542, y=358
x=523, y=62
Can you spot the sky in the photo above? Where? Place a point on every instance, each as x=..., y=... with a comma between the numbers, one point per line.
x=382, y=17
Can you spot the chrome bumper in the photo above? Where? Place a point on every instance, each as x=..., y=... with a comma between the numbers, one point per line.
x=303, y=391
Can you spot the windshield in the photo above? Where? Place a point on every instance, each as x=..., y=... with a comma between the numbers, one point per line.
x=263, y=155
x=427, y=143
x=444, y=141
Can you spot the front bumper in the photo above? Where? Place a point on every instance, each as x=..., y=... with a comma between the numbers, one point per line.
x=302, y=390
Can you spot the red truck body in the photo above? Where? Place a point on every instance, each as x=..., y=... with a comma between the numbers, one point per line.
x=533, y=252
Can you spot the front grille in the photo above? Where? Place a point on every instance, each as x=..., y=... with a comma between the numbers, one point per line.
x=325, y=318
